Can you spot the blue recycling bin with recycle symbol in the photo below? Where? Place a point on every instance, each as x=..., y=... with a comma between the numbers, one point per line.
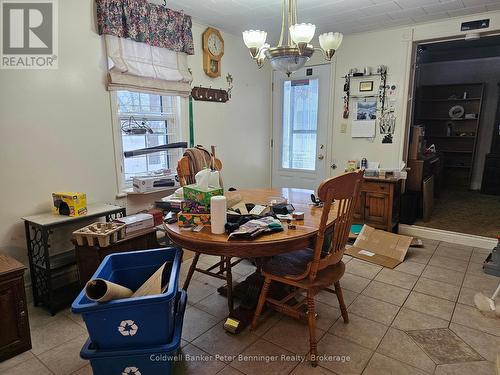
x=138, y=321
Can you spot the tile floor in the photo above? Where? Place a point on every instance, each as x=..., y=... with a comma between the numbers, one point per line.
x=426, y=302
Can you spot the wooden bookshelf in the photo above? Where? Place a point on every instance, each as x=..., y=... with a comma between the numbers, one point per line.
x=455, y=138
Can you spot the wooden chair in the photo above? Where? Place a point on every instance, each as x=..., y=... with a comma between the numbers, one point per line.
x=313, y=270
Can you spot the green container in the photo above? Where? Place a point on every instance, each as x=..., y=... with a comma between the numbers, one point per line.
x=193, y=193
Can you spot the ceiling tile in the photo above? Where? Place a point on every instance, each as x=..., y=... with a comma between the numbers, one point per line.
x=444, y=6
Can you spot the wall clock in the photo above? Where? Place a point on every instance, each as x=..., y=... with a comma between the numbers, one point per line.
x=213, y=50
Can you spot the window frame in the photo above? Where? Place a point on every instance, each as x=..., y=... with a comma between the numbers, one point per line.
x=123, y=187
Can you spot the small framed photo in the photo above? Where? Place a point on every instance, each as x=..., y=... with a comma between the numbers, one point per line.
x=366, y=86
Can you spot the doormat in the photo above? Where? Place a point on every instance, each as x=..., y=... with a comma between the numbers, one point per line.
x=443, y=346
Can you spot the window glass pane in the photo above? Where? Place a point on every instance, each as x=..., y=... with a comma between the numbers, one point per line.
x=300, y=123
x=154, y=121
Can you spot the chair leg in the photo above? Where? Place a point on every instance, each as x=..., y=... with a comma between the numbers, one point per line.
x=191, y=271
x=262, y=301
x=229, y=281
x=340, y=297
x=311, y=319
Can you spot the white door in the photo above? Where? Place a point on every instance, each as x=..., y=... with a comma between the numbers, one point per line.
x=300, y=118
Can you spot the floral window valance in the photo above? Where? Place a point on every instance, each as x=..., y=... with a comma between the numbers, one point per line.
x=147, y=23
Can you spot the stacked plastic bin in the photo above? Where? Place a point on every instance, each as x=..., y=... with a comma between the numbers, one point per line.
x=136, y=336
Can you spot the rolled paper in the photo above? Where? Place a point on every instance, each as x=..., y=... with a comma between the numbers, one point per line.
x=218, y=214
x=100, y=290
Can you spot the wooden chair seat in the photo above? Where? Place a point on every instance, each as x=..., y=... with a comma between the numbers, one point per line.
x=289, y=264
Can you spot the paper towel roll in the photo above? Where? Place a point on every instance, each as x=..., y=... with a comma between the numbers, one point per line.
x=100, y=290
x=218, y=214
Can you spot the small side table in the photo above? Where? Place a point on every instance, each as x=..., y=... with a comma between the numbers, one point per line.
x=44, y=264
x=15, y=338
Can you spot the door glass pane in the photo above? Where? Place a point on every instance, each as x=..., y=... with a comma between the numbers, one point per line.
x=300, y=124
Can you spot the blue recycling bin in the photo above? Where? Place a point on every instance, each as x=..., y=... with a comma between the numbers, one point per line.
x=144, y=361
x=132, y=322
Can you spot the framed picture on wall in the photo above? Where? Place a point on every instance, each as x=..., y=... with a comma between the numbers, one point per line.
x=366, y=86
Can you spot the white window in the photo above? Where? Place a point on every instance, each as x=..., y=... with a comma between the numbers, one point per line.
x=141, y=121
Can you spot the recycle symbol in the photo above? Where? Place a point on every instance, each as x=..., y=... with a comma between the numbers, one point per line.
x=128, y=328
x=131, y=371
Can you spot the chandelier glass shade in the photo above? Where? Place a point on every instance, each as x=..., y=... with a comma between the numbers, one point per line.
x=290, y=56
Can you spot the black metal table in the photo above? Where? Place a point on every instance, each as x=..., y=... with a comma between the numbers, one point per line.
x=44, y=264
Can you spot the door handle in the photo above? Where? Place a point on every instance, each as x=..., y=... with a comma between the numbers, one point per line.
x=333, y=166
x=321, y=157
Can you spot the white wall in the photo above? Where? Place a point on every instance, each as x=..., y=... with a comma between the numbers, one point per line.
x=56, y=131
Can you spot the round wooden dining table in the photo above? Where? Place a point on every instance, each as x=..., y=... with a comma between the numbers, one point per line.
x=205, y=242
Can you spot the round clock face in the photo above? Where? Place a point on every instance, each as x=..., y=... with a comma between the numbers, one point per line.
x=214, y=45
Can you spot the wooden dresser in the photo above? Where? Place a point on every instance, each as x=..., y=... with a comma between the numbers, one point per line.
x=15, y=337
x=379, y=203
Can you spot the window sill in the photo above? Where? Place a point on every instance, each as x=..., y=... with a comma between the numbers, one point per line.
x=130, y=192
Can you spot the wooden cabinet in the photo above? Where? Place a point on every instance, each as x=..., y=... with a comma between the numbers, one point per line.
x=378, y=204
x=15, y=337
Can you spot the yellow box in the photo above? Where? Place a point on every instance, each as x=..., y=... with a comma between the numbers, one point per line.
x=69, y=203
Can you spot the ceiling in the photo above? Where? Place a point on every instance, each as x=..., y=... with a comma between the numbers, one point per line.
x=347, y=16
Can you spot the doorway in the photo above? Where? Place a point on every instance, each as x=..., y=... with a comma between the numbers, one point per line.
x=300, y=120
x=452, y=137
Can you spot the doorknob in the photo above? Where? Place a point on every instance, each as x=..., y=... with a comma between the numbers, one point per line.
x=333, y=166
x=321, y=157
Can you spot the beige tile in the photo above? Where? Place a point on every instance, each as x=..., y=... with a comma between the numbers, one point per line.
x=454, y=253
x=362, y=331
x=305, y=368
x=396, y=278
x=444, y=275
x=449, y=263
x=437, y=289
x=30, y=367
x=198, y=291
x=485, y=344
x=374, y=309
x=353, y=283
x=430, y=305
x=331, y=298
x=245, y=267
x=418, y=255
x=214, y=304
x=62, y=330
x=228, y=370
x=214, y=282
x=475, y=269
x=14, y=361
x=398, y=345
x=65, y=359
x=430, y=243
x=86, y=370
x=479, y=282
x=346, y=258
x=336, y=346
x=272, y=360
x=413, y=268
x=471, y=317
x=383, y=365
x=468, y=368
x=409, y=320
x=40, y=317
x=210, y=366
x=292, y=335
x=479, y=255
x=362, y=268
x=326, y=315
x=455, y=246
x=217, y=341
x=267, y=320
x=386, y=292
x=466, y=296
x=196, y=322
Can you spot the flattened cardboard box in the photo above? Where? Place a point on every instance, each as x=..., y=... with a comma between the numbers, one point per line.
x=380, y=247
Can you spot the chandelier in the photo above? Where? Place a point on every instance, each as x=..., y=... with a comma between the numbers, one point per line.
x=293, y=55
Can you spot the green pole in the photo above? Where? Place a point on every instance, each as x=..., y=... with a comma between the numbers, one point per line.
x=191, y=125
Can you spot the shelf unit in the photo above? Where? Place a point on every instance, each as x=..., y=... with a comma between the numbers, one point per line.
x=454, y=138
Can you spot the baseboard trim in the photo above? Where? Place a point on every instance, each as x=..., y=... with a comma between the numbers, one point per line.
x=444, y=235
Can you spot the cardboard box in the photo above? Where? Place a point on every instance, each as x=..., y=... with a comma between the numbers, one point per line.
x=380, y=247
x=69, y=203
x=193, y=193
x=134, y=223
x=188, y=220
